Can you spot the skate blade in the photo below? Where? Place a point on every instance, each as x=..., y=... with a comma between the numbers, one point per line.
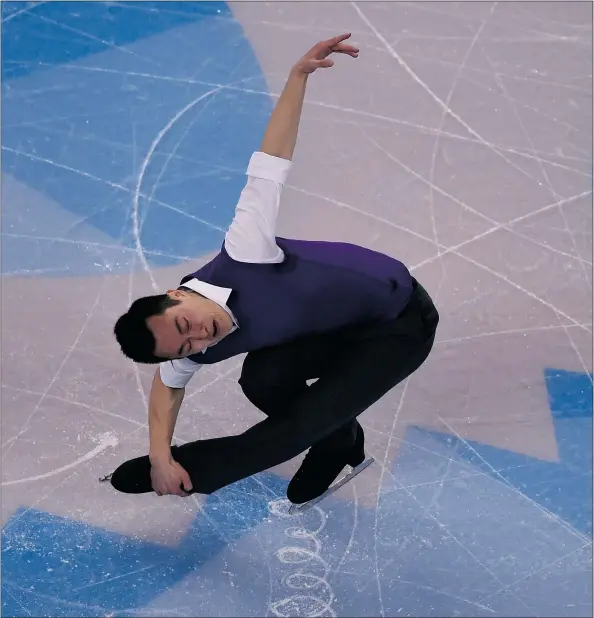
x=301, y=508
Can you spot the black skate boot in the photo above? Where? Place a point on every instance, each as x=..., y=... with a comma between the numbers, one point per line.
x=320, y=468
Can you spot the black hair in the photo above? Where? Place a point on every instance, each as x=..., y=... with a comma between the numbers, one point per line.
x=132, y=332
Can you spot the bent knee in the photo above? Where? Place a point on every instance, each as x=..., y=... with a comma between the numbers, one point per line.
x=266, y=385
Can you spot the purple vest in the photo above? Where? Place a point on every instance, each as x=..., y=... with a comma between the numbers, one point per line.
x=319, y=287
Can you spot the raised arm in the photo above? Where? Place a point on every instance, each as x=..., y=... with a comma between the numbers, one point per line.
x=281, y=134
x=252, y=234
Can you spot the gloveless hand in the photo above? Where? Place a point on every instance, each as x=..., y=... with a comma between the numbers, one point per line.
x=169, y=478
x=317, y=56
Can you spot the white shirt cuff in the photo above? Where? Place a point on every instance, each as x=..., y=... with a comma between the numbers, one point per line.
x=177, y=373
x=271, y=168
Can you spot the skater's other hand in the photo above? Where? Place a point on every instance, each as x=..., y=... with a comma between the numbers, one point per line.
x=317, y=56
x=168, y=477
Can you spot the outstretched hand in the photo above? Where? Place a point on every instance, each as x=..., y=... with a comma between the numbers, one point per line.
x=317, y=56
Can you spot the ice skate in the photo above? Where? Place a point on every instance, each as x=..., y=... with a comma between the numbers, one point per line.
x=316, y=478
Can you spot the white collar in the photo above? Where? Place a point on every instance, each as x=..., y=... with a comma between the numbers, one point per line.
x=218, y=295
x=213, y=292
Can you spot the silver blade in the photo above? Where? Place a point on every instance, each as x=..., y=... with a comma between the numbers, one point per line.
x=300, y=508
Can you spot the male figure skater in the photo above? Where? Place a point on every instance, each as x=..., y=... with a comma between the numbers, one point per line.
x=353, y=318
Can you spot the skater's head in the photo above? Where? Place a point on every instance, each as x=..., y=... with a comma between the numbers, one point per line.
x=172, y=325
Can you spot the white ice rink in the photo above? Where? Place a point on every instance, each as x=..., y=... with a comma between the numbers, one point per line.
x=459, y=142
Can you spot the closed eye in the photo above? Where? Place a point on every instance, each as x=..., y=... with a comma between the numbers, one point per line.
x=184, y=349
x=183, y=326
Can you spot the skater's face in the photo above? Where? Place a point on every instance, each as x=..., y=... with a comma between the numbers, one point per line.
x=189, y=327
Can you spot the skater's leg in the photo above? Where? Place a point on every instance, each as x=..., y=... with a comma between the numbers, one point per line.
x=274, y=377
x=322, y=466
x=271, y=378
x=364, y=371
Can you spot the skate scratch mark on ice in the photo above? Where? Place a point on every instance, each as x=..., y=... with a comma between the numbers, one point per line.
x=503, y=277
x=211, y=521
x=266, y=492
x=98, y=245
x=456, y=540
x=143, y=168
x=17, y=517
x=515, y=331
x=299, y=604
x=441, y=123
x=358, y=211
x=36, y=271
x=240, y=516
x=542, y=568
x=6, y=589
x=454, y=248
x=439, y=485
x=108, y=440
x=93, y=38
x=86, y=406
x=141, y=425
x=265, y=556
x=353, y=530
x=520, y=104
x=522, y=289
x=115, y=185
x=173, y=153
x=437, y=142
x=98, y=610
x=432, y=187
x=454, y=136
x=447, y=63
x=27, y=423
x=27, y=9
x=507, y=484
x=576, y=258
x=430, y=92
x=122, y=576
x=136, y=224
x=443, y=250
x=33, y=157
x=555, y=195
x=446, y=594
x=576, y=350
x=348, y=110
x=379, y=493
x=438, y=481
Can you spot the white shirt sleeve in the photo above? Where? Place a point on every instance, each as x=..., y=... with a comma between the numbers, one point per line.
x=177, y=373
x=252, y=234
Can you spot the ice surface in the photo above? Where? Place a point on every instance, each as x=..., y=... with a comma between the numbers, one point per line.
x=460, y=142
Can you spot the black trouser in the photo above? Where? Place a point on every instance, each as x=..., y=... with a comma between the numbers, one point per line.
x=354, y=368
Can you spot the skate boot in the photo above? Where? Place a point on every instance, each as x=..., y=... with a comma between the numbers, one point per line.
x=320, y=468
x=134, y=475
